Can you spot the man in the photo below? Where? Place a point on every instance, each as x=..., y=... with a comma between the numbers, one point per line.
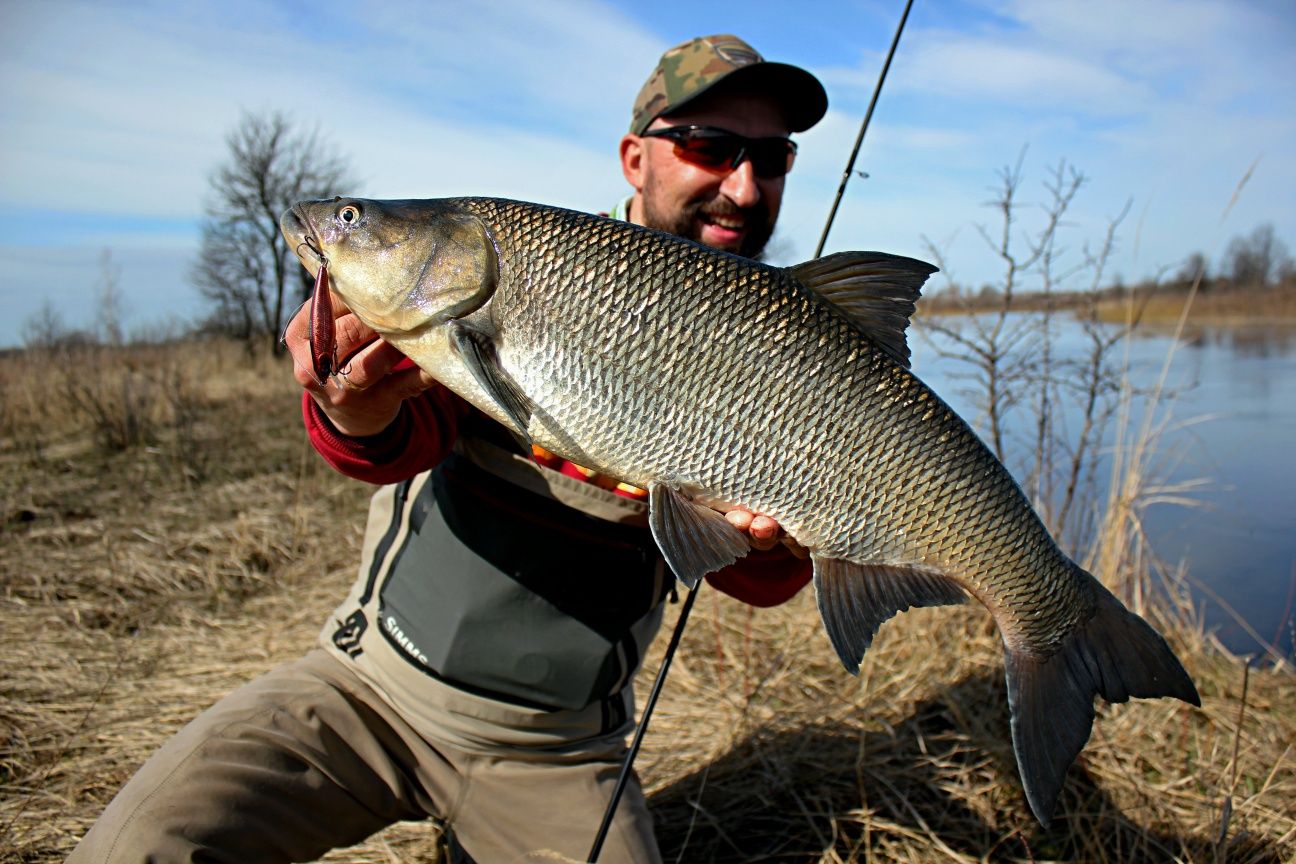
x=479, y=671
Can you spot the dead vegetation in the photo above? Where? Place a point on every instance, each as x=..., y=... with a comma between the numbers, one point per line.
x=140, y=584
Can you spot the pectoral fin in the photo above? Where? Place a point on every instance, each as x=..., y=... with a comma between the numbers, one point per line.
x=855, y=599
x=694, y=539
x=478, y=354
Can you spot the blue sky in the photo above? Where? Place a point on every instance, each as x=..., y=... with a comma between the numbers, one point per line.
x=113, y=116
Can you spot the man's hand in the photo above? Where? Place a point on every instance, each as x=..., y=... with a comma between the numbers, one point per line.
x=763, y=532
x=367, y=397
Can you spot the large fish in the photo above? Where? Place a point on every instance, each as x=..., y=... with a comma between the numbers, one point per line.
x=709, y=379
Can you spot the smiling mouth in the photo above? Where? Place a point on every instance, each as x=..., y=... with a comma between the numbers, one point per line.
x=728, y=223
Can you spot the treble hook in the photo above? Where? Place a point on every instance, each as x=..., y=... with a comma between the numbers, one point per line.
x=309, y=243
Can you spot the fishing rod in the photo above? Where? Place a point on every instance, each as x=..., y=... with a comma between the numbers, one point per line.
x=643, y=724
x=859, y=139
x=688, y=602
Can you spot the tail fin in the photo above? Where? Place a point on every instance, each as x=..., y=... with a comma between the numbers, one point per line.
x=1115, y=654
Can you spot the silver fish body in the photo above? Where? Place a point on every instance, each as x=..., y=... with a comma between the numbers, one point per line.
x=708, y=379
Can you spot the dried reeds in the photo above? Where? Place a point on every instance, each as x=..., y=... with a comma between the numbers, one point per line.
x=134, y=596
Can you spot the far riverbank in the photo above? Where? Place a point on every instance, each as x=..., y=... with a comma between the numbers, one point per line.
x=1159, y=307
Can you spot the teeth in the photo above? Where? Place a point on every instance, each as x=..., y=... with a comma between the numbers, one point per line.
x=727, y=223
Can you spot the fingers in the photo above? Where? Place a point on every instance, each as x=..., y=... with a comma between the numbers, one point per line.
x=365, y=357
x=763, y=532
x=360, y=351
x=296, y=339
x=740, y=518
x=398, y=385
x=794, y=547
x=764, y=528
x=365, y=397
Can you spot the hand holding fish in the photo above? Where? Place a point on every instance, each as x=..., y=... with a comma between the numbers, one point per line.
x=365, y=399
x=763, y=532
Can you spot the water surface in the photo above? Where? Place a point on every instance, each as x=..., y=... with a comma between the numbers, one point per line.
x=1232, y=422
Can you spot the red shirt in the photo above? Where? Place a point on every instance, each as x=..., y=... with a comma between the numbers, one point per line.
x=422, y=435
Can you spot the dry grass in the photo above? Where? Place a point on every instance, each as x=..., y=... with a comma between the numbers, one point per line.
x=1158, y=308
x=766, y=753
x=136, y=592
x=1216, y=308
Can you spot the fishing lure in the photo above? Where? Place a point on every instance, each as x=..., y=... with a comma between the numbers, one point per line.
x=320, y=332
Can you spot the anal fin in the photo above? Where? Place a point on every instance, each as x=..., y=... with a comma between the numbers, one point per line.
x=856, y=599
x=694, y=539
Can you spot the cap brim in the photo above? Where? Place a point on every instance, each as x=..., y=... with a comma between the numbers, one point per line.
x=798, y=94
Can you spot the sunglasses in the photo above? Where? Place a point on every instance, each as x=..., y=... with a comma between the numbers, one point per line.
x=720, y=151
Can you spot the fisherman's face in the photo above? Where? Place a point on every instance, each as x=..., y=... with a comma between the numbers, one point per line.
x=734, y=210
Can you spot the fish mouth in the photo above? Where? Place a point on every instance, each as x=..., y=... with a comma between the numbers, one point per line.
x=300, y=232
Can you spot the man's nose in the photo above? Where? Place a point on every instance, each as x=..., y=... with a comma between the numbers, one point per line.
x=739, y=185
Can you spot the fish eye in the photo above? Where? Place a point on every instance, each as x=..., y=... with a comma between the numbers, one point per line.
x=348, y=214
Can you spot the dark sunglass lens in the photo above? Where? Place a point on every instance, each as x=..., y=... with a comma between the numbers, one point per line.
x=708, y=152
x=718, y=150
x=770, y=158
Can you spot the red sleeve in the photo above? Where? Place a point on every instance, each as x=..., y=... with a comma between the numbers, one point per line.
x=421, y=436
x=764, y=578
x=418, y=439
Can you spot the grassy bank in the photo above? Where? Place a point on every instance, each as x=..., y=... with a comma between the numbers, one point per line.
x=1216, y=308
x=145, y=573
x=1151, y=306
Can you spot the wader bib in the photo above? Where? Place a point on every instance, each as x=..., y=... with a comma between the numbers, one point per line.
x=506, y=582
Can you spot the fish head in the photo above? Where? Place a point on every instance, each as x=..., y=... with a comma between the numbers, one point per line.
x=402, y=266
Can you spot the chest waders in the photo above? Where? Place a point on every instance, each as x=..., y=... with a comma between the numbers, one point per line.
x=516, y=596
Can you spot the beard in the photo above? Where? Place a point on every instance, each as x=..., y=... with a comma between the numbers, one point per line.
x=687, y=221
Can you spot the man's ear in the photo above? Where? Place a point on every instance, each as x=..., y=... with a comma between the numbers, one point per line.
x=632, y=161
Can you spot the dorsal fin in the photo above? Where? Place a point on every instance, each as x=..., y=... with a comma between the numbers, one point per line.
x=878, y=291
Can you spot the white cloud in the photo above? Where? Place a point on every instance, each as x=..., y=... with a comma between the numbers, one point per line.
x=133, y=120
x=1166, y=103
x=123, y=109
x=1015, y=72
x=1159, y=31
x=569, y=63
x=117, y=108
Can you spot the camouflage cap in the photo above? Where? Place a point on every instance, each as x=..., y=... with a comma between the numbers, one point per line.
x=692, y=68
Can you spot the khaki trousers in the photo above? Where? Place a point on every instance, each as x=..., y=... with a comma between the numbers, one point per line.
x=309, y=758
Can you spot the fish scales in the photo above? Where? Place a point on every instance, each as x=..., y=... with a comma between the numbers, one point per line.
x=862, y=474
x=712, y=379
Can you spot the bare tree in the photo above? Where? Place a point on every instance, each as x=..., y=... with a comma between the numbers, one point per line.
x=245, y=268
x=1254, y=261
x=1194, y=267
x=45, y=328
x=1007, y=345
x=109, y=302
x=990, y=345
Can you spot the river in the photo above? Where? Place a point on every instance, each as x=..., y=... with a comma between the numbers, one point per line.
x=1232, y=425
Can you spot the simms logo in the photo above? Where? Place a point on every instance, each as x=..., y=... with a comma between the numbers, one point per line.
x=347, y=636
x=398, y=635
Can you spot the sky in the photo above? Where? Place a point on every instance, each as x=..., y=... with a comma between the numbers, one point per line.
x=114, y=115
